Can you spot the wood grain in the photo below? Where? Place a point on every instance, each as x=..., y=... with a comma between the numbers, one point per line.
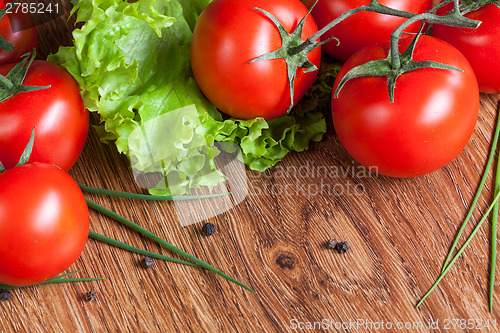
x=399, y=231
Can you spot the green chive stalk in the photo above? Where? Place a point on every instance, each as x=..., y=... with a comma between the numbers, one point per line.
x=476, y=229
x=161, y=241
x=494, y=220
x=137, y=196
x=58, y=279
x=478, y=194
x=133, y=249
x=450, y=260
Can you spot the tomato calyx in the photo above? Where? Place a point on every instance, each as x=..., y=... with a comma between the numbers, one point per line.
x=25, y=156
x=291, y=51
x=12, y=83
x=386, y=67
x=5, y=44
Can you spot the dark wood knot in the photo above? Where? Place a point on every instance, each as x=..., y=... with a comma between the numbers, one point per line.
x=286, y=260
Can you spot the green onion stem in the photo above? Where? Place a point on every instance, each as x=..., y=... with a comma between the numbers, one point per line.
x=478, y=194
x=495, y=200
x=131, y=248
x=161, y=241
x=494, y=220
x=58, y=279
x=137, y=196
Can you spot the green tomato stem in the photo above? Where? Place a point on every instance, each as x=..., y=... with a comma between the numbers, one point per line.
x=455, y=20
x=161, y=241
x=133, y=249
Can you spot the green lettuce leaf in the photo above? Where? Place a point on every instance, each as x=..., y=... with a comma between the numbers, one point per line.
x=132, y=62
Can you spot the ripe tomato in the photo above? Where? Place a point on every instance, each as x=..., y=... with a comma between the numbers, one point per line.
x=480, y=46
x=19, y=29
x=58, y=114
x=44, y=223
x=430, y=121
x=363, y=28
x=229, y=34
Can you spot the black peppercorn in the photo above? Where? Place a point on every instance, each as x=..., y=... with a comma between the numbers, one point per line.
x=331, y=244
x=5, y=295
x=208, y=229
x=90, y=296
x=342, y=247
x=147, y=262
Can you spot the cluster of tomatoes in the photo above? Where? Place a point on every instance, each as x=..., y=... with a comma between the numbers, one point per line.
x=44, y=220
x=434, y=111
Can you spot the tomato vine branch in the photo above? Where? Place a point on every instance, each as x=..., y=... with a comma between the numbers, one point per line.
x=455, y=20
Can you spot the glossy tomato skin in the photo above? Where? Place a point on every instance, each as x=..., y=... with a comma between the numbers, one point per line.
x=480, y=46
x=363, y=28
x=58, y=114
x=229, y=34
x=431, y=120
x=19, y=29
x=44, y=223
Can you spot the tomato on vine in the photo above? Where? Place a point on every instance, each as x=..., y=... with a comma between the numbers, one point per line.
x=240, y=55
x=45, y=96
x=18, y=29
x=44, y=221
x=431, y=118
x=480, y=46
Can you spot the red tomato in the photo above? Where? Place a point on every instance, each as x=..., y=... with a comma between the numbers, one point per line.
x=363, y=28
x=480, y=46
x=229, y=34
x=44, y=223
x=58, y=114
x=19, y=29
x=432, y=117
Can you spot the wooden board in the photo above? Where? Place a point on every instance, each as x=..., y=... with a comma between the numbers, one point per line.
x=399, y=231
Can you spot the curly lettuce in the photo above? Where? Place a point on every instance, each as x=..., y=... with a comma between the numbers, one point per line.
x=132, y=62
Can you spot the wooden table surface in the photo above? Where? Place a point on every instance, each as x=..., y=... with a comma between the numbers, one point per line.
x=399, y=232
